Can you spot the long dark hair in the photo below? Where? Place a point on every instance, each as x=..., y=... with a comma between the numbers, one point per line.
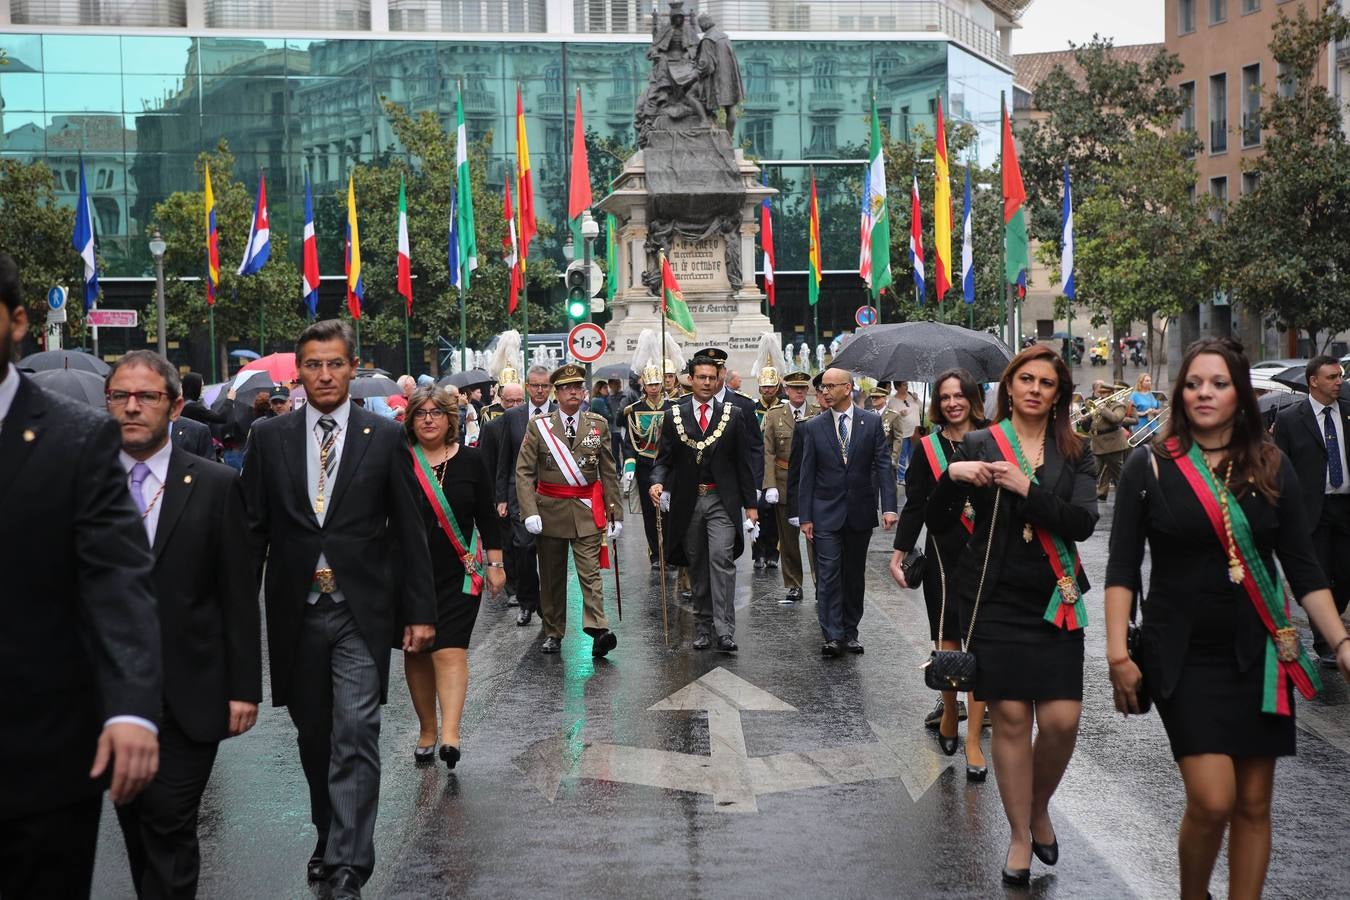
x=970, y=389
x=1256, y=459
x=1070, y=446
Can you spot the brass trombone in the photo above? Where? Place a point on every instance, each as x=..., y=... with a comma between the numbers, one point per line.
x=1091, y=406
x=1146, y=433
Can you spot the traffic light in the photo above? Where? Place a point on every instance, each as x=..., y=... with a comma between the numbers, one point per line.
x=576, y=294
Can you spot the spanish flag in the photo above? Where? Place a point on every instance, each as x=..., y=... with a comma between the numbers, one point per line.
x=524, y=180
x=942, y=210
x=356, y=289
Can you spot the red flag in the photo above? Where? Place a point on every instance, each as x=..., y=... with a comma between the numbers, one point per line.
x=510, y=253
x=579, y=191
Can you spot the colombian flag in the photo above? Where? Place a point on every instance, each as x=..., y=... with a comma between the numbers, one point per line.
x=356, y=289
x=212, y=244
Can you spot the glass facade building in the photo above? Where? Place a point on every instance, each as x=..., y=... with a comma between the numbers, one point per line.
x=139, y=108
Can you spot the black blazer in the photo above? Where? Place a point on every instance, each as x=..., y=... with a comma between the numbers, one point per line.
x=208, y=596
x=372, y=535
x=1298, y=432
x=753, y=431
x=194, y=437
x=728, y=459
x=514, y=422
x=1064, y=501
x=80, y=642
x=839, y=496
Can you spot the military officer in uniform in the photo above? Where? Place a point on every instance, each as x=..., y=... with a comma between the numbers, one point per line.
x=779, y=425
x=672, y=381
x=892, y=424
x=569, y=496
x=642, y=439
x=494, y=409
x=766, y=545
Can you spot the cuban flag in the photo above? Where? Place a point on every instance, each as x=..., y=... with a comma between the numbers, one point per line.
x=259, y=245
x=309, y=268
x=1067, y=287
x=83, y=241
x=967, y=250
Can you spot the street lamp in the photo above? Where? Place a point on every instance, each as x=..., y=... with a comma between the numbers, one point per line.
x=157, y=248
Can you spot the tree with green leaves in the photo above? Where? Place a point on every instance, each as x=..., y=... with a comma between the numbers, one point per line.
x=1287, y=243
x=1103, y=121
x=251, y=309
x=35, y=230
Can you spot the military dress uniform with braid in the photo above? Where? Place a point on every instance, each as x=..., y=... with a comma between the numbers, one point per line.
x=765, y=548
x=780, y=424
x=567, y=521
x=642, y=440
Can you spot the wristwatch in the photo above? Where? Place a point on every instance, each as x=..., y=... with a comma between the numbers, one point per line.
x=493, y=565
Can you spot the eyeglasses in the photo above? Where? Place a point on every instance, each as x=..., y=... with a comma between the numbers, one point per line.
x=143, y=398
x=838, y=384
x=431, y=415
x=318, y=365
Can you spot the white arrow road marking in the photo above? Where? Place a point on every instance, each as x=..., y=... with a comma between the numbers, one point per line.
x=729, y=774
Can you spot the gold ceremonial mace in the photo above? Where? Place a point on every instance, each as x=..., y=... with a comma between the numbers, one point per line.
x=661, y=560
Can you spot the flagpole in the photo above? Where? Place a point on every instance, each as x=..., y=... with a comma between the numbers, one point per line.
x=407, y=340
x=211, y=325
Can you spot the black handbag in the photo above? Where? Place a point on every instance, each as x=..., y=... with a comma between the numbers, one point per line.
x=954, y=670
x=914, y=566
x=1134, y=640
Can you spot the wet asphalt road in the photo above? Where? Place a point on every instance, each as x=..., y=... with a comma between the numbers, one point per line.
x=779, y=774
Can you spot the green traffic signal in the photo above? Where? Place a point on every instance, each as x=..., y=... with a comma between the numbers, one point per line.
x=576, y=307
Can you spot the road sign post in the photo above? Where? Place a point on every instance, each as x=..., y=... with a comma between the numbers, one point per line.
x=866, y=315
x=113, y=318
x=56, y=316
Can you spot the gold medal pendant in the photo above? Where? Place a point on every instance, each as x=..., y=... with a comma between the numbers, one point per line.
x=1027, y=533
x=968, y=511
x=1235, y=573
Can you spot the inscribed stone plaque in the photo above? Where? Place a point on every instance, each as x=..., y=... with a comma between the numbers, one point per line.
x=700, y=266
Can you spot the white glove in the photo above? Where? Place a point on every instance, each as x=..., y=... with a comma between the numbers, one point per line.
x=771, y=496
x=751, y=529
x=627, y=482
x=534, y=525
x=795, y=522
x=615, y=529
x=665, y=501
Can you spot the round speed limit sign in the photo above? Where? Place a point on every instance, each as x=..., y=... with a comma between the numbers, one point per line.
x=586, y=342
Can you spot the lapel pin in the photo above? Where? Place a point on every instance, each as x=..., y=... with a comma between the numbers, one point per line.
x=29, y=435
x=366, y=430
x=187, y=479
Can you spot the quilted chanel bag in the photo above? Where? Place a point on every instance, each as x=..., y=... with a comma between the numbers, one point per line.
x=954, y=670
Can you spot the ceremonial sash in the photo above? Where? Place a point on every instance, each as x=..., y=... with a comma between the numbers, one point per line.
x=937, y=461
x=1285, y=658
x=1067, y=608
x=471, y=555
x=590, y=493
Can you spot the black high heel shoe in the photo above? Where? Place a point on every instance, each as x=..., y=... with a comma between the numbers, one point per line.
x=1015, y=877
x=948, y=744
x=424, y=755
x=976, y=774
x=449, y=755
x=1046, y=853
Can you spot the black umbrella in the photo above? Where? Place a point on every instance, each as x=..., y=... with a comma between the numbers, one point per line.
x=621, y=371
x=1295, y=377
x=374, y=386
x=371, y=373
x=47, y=360
x=920, y=351
x=467, y=378
x=252, y=383
x=86, y=387
x=1275, y=401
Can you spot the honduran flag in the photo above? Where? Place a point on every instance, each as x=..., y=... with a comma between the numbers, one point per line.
x=259, y=245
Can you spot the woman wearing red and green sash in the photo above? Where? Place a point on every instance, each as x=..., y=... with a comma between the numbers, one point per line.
x=1033, y=490
x=466, y=556
x=957, y=407
x=1216, y=501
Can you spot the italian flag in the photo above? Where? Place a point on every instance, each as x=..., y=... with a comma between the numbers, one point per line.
x=404, y=259
x=672, y=301
x=1016, y=254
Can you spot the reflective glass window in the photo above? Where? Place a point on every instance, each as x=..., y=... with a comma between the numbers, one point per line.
x=86, y=54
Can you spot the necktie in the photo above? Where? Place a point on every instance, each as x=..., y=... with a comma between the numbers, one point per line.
x=329, y=459
x=797, y=414
x=843, y=432
x=703, y=416
x=139, y=473
x=571, y=427
x=1334, y=473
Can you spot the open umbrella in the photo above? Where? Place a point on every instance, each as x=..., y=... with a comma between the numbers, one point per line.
x=64, y=359
x=280, y=366
x=248, y=382
x=621, y=371
x=467, y=378
x=375, y=386
x=86, y=387
x=244, y=354
x=1295, y=377
x=920, y=351
x=1275, y=401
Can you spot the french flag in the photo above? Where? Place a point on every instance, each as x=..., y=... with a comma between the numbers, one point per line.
x=259, y=245
x=309, y=269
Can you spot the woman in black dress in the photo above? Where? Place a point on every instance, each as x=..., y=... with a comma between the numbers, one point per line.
x=1216, y=500
x=1034, y=493
x=957, y=407
x=460, y=476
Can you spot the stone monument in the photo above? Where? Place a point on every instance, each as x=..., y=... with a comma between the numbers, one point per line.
x=689, y=194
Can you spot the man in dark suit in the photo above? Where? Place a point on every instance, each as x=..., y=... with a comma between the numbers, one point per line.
x=193, y=407
x=521, y=549
x=194, y=437
x=705, y=463
x=1312, y=434
x=491, y=442
x=193, y=513
x=845, y=458
x=333, y=511
x=79, y=653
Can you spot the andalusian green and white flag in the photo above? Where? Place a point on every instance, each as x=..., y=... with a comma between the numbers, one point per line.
x=468, y=241
x=875, y=263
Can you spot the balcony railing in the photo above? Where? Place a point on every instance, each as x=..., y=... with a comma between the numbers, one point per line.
x=620, y=107
x=1251, y=129
x=127, y=13
x=826, y=102
x=1218, y=136
x=635, y=17
x=761, y=101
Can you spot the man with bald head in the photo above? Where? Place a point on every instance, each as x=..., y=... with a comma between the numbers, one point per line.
x=491, y=442
x=845, y=459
